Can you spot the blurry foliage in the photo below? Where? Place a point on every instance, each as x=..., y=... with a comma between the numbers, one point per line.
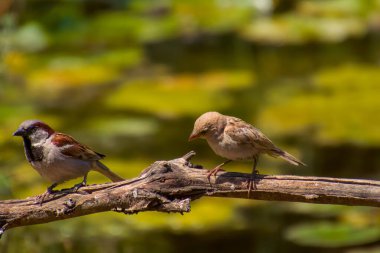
x=128, y=78
x=158, y=95
x=30, y=38
x=337, y=107
x=324, y=234
x=122, y=126
x=354, y=226
x=291, y=29
x=123, y=27
x=325, y=21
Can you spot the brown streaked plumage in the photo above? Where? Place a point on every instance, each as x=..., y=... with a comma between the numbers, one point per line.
x=235, y=139
x=59, y=157
x=78, y=150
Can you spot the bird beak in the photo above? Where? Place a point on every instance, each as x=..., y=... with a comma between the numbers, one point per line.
x=19, y=132
x=193, y=136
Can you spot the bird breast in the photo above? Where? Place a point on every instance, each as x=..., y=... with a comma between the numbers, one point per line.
x=56, y=167
x=224, y=146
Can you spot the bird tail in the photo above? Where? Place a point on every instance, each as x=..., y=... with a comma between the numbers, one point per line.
x=100, y=167
x=287, y=157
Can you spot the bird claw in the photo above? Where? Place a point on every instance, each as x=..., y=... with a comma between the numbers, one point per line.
x=252, y=182
x=42, y=197
x=73, y=189
x=214, y=171
x=76, y=187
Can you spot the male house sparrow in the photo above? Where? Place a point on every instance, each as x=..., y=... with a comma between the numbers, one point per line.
x=234, y=139
x=58, y=157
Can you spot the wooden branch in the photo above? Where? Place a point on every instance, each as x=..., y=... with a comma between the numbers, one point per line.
x=169, y=186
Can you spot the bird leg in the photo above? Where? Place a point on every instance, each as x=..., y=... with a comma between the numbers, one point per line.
x=252, y=181
x=216, y=169
x=40, y=198
x=76, y=187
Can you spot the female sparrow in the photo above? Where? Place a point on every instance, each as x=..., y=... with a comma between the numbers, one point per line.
x=58, y=157
x=234, y=139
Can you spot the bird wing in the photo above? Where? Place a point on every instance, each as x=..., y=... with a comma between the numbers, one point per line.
x=72, y=148
x=244, y=133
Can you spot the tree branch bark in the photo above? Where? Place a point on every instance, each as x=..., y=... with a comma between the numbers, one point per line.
x=169, y=186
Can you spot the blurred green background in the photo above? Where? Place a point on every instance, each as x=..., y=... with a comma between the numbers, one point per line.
x=128, y=78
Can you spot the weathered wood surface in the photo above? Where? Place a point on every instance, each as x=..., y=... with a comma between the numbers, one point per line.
x=170, y=186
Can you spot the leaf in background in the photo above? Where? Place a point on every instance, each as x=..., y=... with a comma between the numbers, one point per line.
x=31, y=38
x=342, y=107
x=331, y=235
x=190, y=93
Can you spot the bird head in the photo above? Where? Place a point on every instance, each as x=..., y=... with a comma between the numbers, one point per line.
x=34, y=129
x=204, y=125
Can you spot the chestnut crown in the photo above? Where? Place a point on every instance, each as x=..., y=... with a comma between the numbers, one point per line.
x=28, y=127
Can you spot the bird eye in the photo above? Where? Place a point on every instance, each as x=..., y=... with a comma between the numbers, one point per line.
x=204, y=131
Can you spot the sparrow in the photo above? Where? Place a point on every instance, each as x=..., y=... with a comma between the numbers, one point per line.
x=58, y=157
x=235, y=139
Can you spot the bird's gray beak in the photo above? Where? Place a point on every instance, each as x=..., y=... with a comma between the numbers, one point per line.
x=19, y=132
